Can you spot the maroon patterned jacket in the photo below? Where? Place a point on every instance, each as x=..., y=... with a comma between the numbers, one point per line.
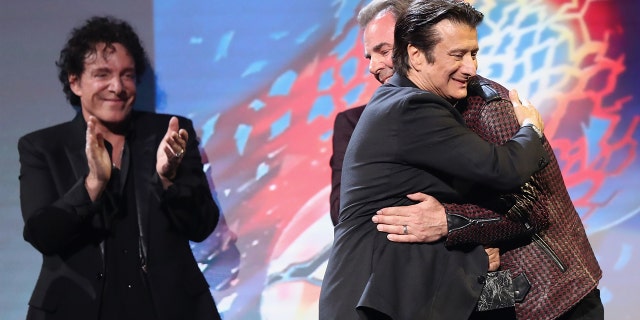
x=553, y=292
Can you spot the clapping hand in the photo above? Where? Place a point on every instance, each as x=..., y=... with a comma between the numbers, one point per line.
x=171, y=151
x=98, y=160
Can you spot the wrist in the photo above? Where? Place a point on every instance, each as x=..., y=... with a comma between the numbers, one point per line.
x=530, y=124
x=94, y=187
x=165, y=181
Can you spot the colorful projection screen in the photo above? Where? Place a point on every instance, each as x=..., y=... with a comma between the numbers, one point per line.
x=263, y=81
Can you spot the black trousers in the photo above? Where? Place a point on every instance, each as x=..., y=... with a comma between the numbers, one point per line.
x=589, y=308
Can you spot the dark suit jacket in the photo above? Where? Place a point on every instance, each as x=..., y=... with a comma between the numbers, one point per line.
x=343, y=127
x=67, y=228
x=409, y=140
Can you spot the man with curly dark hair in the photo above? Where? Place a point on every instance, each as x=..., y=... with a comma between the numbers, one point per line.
x=112, y=198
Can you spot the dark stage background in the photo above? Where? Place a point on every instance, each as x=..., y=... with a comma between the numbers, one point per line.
x=263, y=80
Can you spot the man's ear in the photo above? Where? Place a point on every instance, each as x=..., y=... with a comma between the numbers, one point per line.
x=416, y=57
x=74, y=84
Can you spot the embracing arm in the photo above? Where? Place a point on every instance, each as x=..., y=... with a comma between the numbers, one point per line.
x=438, y=143
x=461, y=224
x=473, y=224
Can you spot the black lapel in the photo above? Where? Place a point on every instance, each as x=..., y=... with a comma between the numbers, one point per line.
x=143, y=156
x=75, y=149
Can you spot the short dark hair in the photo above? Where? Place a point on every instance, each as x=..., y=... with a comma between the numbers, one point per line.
x=375, y=7
x=416, y=27
x=82, y=43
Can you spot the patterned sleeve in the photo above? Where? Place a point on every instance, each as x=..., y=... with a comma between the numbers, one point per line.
x=475, y=224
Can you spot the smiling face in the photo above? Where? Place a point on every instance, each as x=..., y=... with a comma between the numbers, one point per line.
x=107, y=86
x=454, y=61
x=378, y=45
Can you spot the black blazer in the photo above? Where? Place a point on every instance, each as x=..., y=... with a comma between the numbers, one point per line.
x=342, y=131
x=409, y=140
x=66, y=227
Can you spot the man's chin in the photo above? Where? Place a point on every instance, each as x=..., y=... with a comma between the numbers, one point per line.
x=114, y=116
x=384, y=76
x=460, y=96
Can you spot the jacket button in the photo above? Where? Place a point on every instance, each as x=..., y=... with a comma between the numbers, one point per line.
x=481, y=279
x=541, y=163
x=99, y=275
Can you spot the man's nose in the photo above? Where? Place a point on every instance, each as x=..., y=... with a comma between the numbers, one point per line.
x=116, y=85
x=469, y=66
x=375, y=65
